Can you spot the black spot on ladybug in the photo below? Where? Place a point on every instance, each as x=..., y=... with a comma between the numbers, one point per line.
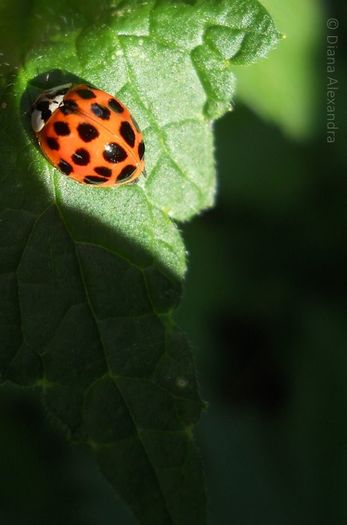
x=101, y=170
x=100, y=111
x=87, y=132
x=113, y=152
x=85, y=93
x=61, y=128
x=127, y=133
x=115, y=105
x=141, y=150
x=52, y=143
x=126, y=173
x=65, y=167
x=92, y=179
x=81, y=157
x=69, y=107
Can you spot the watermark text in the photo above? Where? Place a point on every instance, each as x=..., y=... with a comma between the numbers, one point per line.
x=332, y=84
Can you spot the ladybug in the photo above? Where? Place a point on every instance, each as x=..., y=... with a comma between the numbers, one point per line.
x=88, y=135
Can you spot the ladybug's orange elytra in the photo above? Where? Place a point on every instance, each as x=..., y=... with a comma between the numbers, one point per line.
x=88, y=135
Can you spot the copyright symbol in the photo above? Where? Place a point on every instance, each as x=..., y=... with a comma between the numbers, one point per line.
x=333, y=24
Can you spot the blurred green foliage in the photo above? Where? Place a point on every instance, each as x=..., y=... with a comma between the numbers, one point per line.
x=283, y=89
x=265, y=305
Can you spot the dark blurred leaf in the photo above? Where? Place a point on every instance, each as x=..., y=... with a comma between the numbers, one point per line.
x=271, y=258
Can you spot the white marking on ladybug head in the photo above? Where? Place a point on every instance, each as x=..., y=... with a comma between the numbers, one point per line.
x=37, y=122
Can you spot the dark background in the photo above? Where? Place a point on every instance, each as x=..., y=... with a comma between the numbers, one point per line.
x=265, y=307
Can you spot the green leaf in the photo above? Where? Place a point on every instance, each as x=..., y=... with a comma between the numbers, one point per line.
x=91, y=277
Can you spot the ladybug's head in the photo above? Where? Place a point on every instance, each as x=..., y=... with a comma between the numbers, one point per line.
x=46, y=104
